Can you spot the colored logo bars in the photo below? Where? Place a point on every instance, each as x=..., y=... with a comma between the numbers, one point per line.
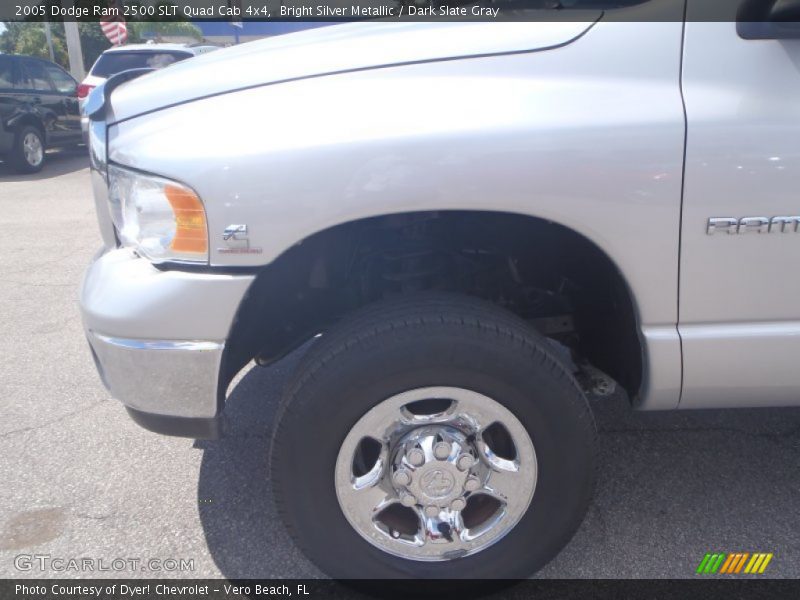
x=734, y=563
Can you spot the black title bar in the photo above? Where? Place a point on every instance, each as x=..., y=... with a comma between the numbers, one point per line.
x=242, y=11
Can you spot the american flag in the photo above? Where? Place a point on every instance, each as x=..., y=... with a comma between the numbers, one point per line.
x=114, y=28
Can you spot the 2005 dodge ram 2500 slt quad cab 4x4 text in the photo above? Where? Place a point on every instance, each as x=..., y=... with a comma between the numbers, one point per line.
x=486, y=223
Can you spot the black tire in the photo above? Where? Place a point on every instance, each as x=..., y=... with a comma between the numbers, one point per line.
x=18, y=157
x=430, y=340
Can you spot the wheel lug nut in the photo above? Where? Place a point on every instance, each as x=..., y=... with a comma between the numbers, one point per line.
x=431, y=511
x=458, y=504
x=441, y=450
x=408, y=500
x=465, y=461
x=416, y=457
x=401, y=477
x=472, y=484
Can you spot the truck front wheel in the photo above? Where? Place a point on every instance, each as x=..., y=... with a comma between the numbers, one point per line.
x=435, y=436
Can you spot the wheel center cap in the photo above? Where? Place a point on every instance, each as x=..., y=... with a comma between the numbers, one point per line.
x=428, y=463
x=437, y=483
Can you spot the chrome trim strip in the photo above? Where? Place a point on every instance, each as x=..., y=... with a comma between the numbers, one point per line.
x=194, y=345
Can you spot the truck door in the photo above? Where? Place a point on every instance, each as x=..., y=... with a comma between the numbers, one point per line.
x=739, y=299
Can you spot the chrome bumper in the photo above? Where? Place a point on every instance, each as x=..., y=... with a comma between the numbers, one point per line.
x=158, y=337
x=160, y=376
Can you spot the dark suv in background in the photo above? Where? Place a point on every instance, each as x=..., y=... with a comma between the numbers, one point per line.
x=38, y=110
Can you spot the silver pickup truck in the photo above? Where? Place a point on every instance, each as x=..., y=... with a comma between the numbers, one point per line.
x=481, y=226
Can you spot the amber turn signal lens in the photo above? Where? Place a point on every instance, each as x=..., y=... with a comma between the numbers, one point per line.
x=191, y=233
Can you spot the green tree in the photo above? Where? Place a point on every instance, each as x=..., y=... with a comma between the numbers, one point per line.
x=26, y=37
x=33, y=42
x=29, y=38
x=8, y=39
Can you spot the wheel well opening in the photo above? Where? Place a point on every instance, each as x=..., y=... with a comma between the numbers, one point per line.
x=30, y=120
x=545, y=273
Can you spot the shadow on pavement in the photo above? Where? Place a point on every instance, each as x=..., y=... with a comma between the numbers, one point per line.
x=242, y=528
x=671, y=486
x=59, y=162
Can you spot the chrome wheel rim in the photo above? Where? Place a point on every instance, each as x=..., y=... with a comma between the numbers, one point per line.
x=33, y=150
x=436, y=473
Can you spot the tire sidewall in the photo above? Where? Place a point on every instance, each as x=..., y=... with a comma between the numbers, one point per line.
x=552, y=411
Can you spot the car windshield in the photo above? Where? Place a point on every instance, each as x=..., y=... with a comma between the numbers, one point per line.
x=112, y=63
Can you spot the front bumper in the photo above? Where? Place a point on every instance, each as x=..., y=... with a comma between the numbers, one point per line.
x=158, y=339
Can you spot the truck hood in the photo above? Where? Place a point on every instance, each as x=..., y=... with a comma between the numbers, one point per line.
x=333, y=49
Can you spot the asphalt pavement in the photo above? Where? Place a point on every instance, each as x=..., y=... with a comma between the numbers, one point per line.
x=81, y=480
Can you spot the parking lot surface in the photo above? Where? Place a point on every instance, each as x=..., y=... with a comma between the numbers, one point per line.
x=81, y=480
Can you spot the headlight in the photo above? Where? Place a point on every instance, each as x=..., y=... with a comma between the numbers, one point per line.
x=160, y=219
